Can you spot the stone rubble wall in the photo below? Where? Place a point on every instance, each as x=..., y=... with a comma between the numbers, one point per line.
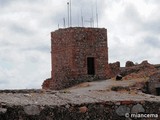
x=129, y=64
x=89, y=111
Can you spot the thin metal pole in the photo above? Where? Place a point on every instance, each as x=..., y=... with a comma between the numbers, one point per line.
x=70, y=14
x=78, y=19
x=64, y=22
x=58, y=25
x=82, y=18
x=92, y=20
x=96, y=14
x=82, y=21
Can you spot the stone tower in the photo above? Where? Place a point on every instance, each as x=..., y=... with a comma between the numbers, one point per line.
x=78, y=54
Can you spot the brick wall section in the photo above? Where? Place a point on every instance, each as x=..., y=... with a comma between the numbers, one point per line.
x=70, y=48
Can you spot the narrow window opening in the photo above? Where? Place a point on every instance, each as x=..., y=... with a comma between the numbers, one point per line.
x=90, y=66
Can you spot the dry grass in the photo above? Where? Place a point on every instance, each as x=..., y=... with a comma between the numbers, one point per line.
x=86, y=84
x=82, y=85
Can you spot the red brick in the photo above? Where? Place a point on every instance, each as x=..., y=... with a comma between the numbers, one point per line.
x=127, y=102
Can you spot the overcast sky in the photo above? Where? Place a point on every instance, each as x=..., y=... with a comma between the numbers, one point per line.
x=25, y=25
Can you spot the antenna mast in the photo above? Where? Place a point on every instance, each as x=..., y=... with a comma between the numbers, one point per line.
x=92, y=17
x=82, y=18
x=70, y=14
x=96, y=14
x=78, y=19
x=58, y=25
x=64, y=22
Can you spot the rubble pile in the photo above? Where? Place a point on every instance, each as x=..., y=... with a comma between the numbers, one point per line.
x=115, y=68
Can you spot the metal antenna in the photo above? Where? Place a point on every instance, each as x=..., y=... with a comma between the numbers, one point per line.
x=78, y=19
x=92, y=18
x=58, y=25
x=68, y=12
x=82, y=18
x=64, y=22
x=96, y=14
x=89, y=21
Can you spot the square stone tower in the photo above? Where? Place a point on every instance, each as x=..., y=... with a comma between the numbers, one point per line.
x=78, y=54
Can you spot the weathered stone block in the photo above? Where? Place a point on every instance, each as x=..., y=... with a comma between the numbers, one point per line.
x=137, y=109
x=32, y=110
x=122, y=110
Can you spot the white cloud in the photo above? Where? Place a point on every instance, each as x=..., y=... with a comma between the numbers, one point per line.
x=25, y=26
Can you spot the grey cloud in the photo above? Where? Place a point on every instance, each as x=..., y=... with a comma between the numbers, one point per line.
x=4, y=42
x=152, y=26
x=4, y=3
x=152, y=41
x=8, y=2
x=131, y=15
x=41, y=48
x=149, y=24
x=3, y=82
x=20, y=29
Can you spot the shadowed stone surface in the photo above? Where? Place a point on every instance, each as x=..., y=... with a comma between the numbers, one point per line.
x=137, y=109
x=32, y=110
x=154, y=84
x=129, y=64
x=3, y=110
x=122, y=110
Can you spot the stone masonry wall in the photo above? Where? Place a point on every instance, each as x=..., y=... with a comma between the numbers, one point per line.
x=70, y=48
x=119, y=110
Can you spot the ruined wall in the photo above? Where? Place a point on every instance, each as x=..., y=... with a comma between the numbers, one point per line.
x=115, y=68
x=70, y=49
x=142, y=70
x=129, y=64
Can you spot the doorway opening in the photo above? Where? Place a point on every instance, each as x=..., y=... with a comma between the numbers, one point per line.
x=90, y=66
x=158, y=91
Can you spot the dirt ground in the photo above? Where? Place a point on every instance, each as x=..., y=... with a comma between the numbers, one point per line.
x=99, y=91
